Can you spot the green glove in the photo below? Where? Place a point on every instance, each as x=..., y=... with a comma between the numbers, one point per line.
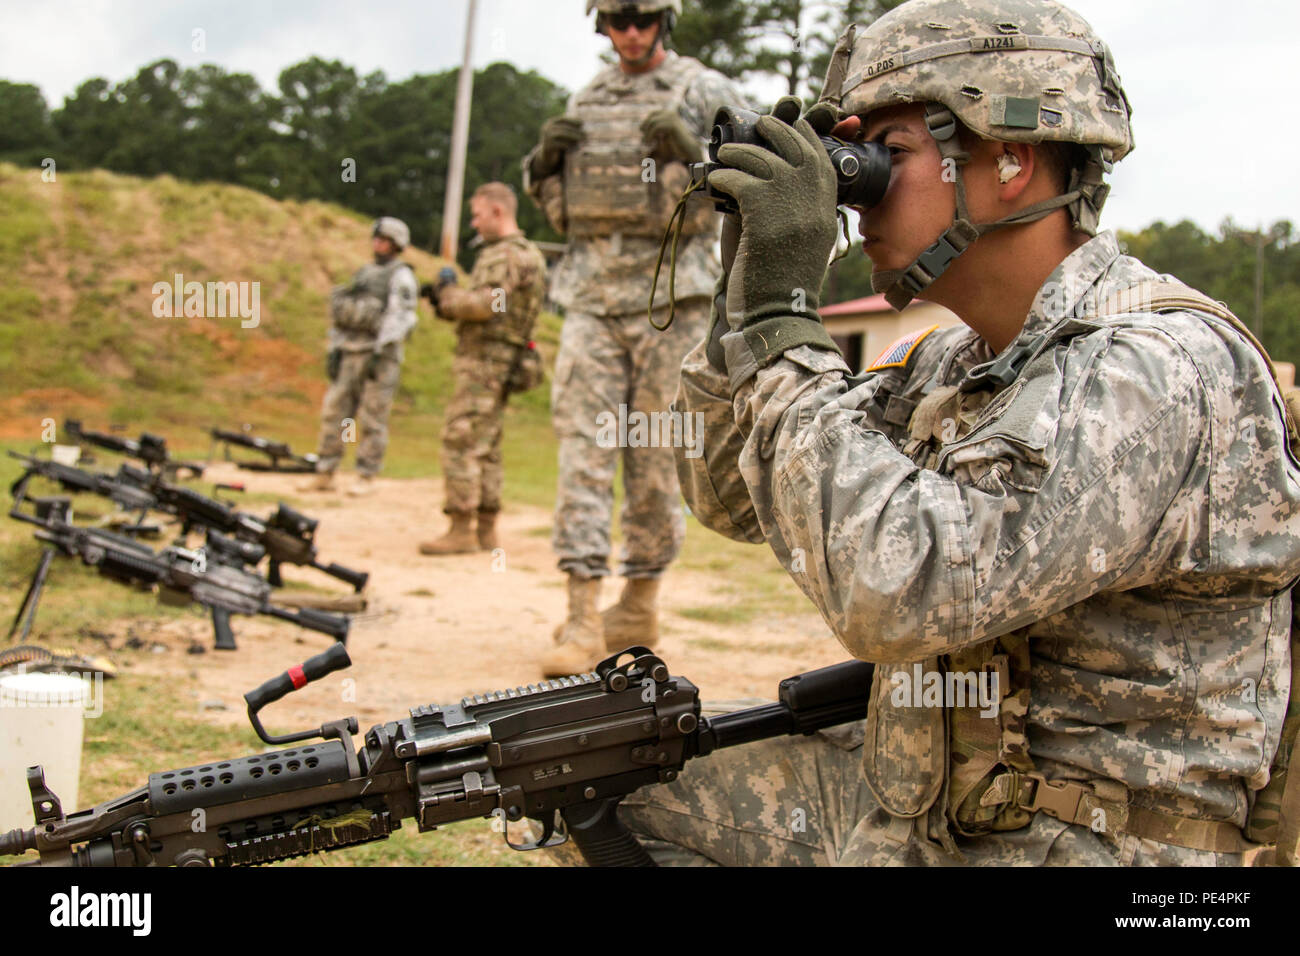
x=788, y=228
x=333, y=362
x=559, y=135
x=666, y=130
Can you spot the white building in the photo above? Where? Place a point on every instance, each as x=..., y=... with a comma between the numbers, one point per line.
x=865, y=328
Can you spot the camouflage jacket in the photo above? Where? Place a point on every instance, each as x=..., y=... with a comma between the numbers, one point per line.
x=1128, y=504
x=503, y=298
x=611, y=275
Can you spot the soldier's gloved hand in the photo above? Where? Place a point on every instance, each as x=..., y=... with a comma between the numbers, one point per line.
x=333, y=363
x=788, y=229
x=718, y=313
x=665, y=129
x=559, y=135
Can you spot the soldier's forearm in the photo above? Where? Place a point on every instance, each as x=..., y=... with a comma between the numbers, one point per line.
x=467, y=305
x=710, y=482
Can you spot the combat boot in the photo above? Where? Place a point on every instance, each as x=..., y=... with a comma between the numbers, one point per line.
x=487, y=531
x=634, y=619
x=323, y=481
x=581, y=641
x=364, y=485
x=459, y=539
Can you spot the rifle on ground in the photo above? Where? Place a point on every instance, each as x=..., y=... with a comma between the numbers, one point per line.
x=214, y=576
x=283, y=458
x=287, y=536
x=121, y=489
x=150, y=449
x=562, y=753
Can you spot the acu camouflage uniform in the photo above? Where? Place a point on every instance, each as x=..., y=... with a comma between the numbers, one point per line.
x=614, y=200
x=1116, y=531
x=494, y=318
x=362, y=392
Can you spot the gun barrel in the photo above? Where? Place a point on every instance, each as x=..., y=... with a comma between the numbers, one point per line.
x=357, y=579
x=335, y=625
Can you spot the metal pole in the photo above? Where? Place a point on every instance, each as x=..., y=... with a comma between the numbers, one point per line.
x=459, y=145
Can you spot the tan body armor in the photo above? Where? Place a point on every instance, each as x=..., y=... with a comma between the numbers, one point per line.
x=612, y=182
x=358, y=308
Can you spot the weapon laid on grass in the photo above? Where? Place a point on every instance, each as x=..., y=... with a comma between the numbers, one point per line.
x=283, y=458
x=562, y=753
x=287, y=536
x=182, y=576
x=150, y=449
x=123, y=491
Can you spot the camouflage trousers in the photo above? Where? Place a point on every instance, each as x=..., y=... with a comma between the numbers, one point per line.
x=804, y=801
x=471, y=436
x=355, y=399
x=614, y=379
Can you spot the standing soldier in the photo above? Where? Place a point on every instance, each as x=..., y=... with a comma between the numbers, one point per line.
x=494, y=318
x=608, y=173
x=371, y=318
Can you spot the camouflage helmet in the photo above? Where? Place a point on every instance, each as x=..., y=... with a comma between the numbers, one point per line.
x=671, y=10
x=392, y=229
x=1027, y=71
x=633, y=6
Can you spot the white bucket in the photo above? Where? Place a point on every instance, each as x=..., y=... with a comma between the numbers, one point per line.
x=41, y=722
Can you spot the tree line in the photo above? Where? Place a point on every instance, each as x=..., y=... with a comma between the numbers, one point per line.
x=381, y=147
x=366, y=143
x=370, y=144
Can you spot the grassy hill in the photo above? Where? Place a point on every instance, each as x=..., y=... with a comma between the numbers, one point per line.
x=80, y=338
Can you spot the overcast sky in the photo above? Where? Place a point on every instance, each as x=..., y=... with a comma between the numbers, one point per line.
x=1212, y=82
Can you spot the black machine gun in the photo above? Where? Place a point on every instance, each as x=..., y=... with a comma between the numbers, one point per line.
x=216, y=578
x=287, y=536
x=283, y=458
x=149, y=448
x=562, y=753
x=122, y=489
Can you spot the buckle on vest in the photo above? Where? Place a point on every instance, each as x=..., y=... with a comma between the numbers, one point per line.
x=1056, y=798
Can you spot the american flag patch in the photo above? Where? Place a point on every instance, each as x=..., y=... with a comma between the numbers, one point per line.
x=898, y=353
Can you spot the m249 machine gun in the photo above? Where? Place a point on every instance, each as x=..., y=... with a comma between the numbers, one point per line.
x=282, y=457
x=149, y=448
x=217, y=578
x=562, y=753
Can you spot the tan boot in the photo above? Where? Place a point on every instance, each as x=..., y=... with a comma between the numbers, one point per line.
x=459, y=539
x=487, y=531
x=323, y=481
x=581, y=639
x=634, y=619
x=364, y=485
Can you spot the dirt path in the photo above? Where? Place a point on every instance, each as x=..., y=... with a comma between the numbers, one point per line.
x=439, y=628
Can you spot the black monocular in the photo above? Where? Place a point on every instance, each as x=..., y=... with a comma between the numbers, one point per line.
x=862, y=169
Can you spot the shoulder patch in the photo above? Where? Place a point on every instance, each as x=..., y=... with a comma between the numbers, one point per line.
x=897, y=355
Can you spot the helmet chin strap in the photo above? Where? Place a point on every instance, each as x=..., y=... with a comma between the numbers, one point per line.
x=1087, y=194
